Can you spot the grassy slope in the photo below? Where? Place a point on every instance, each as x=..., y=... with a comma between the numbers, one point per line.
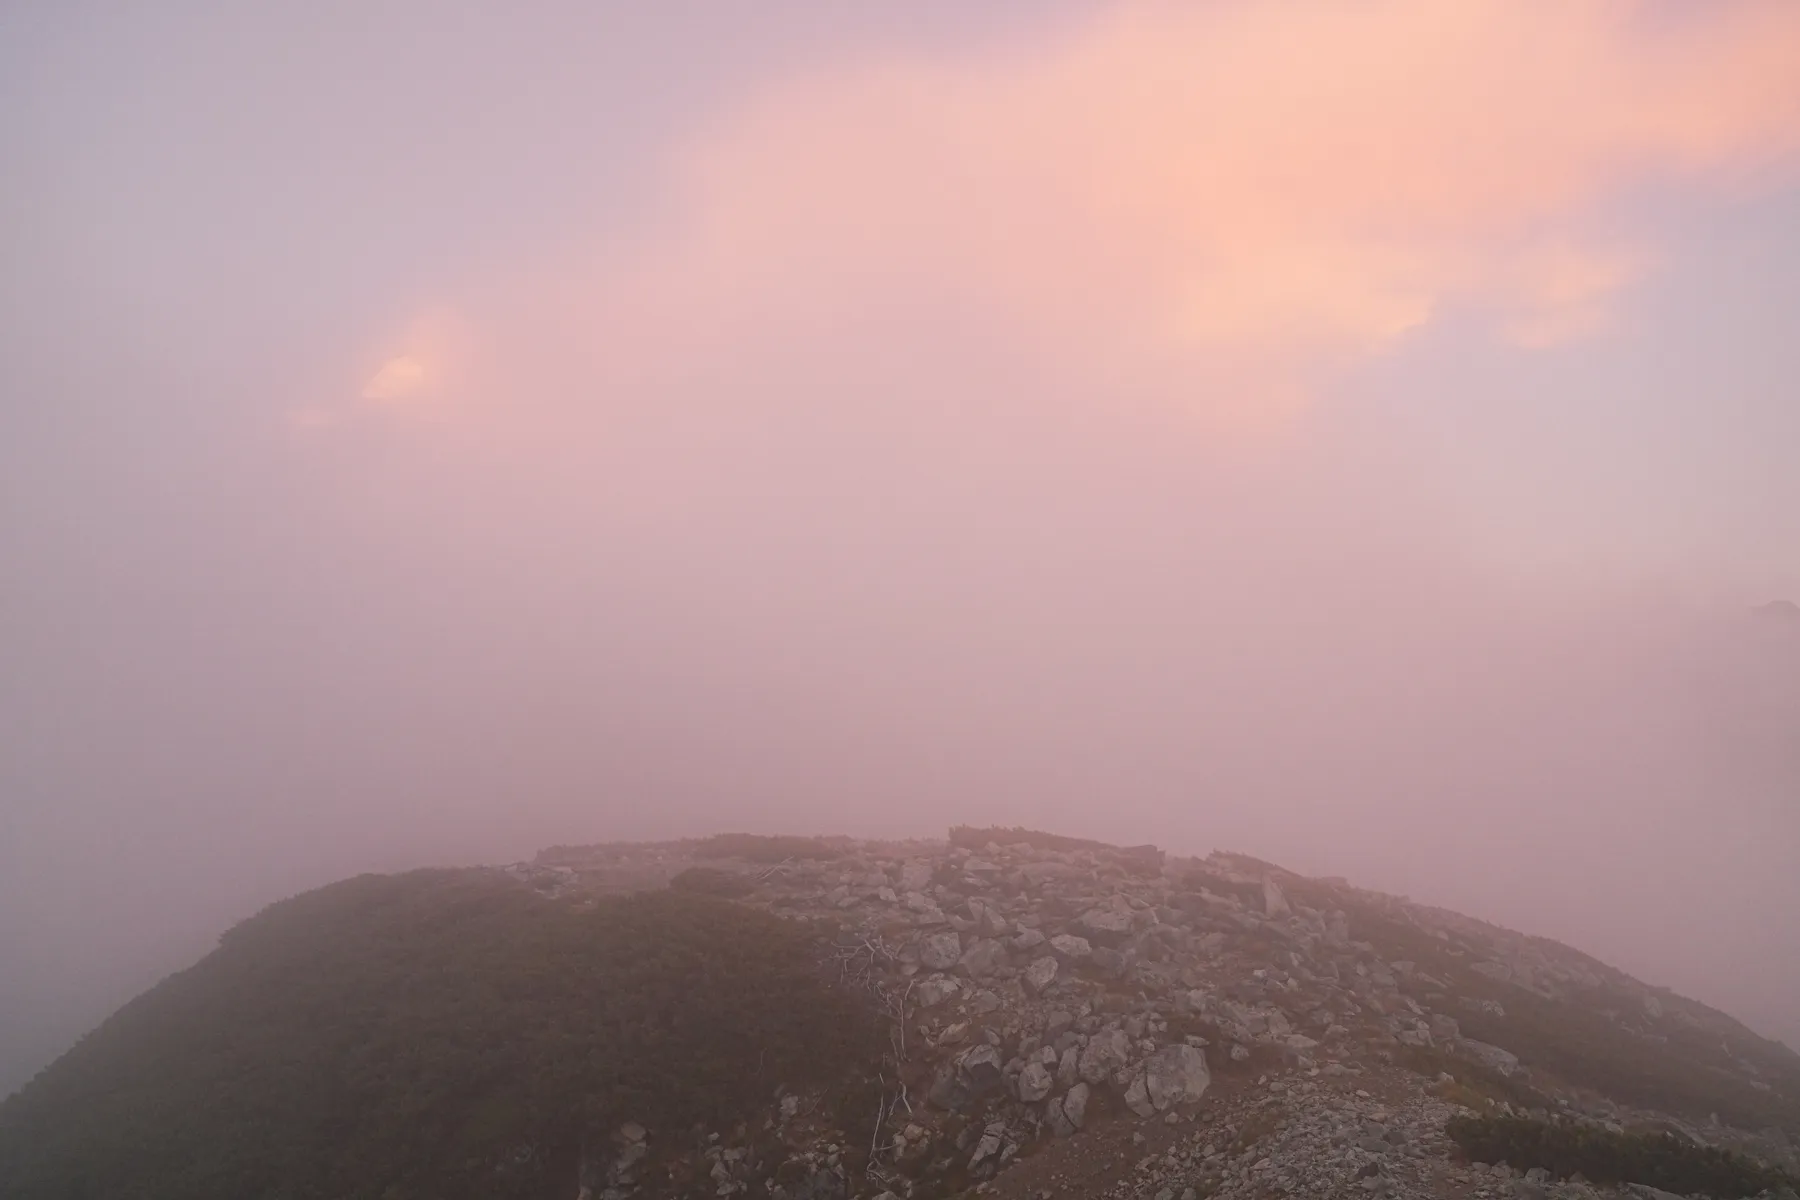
x=442, y=1033
x=1685, y=1072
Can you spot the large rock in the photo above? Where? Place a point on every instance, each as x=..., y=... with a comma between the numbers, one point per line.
x=1503, y=1061
x=983, y=1002
x=933, y=992
x=1075, y=1104
x=1111, y=962
x=941, y=951
x=948, y=1090
x=1275, y=902
x=992, y=1138
x=1137, y=1098
x=1176, y=1075
x=1644, y=1191
x=915, y=875
x=1107, y=1052
x=632, y=1149
x=980, y=1069
x=1106, y=926
x=1040, y=974
x=1066, y=1113
x=1068, y=1068
x=924, y=909
x=989, y=921
x=1045, y=870
x=1070, y=948
x=983, y=957
x=1035, y=1082
x=1337, y=929
x=1057, y=1119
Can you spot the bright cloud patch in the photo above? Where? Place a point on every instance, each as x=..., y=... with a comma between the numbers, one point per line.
x=398, y=378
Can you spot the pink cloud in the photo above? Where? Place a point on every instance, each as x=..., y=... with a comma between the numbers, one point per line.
x=399, y=377
x=1253, y=193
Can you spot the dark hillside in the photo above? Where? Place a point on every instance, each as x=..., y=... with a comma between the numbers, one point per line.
x=437, y=1034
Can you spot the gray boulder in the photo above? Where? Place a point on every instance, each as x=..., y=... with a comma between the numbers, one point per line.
x=1068, y=1068
x=1137, y=1098
x=941, y=951
x=933, y=992
x=983, y=957
x=1035, y=1082
x=948, y=1090
x=1644, y=1191
x=1045, y=870
x=1107, y=1052
x=1176, y=1075
x=980, y=1069
x=1503, y=1061
x=1337, y=929
x=1106, y=926
x=992, y=1138
x=988, y=919
x=1075, y=1103
x=1112, y=963
x=915, y=875
x=1040, y=974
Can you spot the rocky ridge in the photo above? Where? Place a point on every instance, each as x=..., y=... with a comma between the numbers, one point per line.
x=1070, y=1018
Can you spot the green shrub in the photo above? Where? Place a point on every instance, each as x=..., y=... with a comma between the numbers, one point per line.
x=1472, y=1076
x=763, y=848
x=1659, y=1160
x=710, y=881
x=1591, y=1050
x=1577, y=1042
x=972, y=837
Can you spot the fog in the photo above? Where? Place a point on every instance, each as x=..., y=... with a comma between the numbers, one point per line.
x=872, y=430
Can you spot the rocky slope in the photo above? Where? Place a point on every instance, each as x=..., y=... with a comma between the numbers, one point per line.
x=1072, y=1019
x=1004, y=1012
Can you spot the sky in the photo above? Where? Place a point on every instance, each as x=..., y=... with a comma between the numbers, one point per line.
x=1355, y=435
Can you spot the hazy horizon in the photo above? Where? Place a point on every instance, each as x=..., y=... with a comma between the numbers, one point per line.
x=1356, y=437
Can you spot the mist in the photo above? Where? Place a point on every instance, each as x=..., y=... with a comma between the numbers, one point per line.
x=801, y=456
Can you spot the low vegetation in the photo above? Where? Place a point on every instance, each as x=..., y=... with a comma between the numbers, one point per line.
x=1476, y=1085
x=440, y=1034
x=1577, y=1042
x=979, y=837
x=764, y=848
x=711, y=881
x=1661, y=1160
x=1199, y=878
x=1591, y=1050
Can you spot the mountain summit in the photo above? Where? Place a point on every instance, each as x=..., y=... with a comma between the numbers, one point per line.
x=1005, y=1011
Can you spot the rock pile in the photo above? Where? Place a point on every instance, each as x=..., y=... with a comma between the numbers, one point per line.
x=1035, y=991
